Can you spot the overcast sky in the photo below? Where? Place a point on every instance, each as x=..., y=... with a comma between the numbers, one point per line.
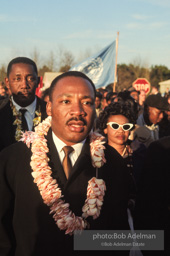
x=89, y=25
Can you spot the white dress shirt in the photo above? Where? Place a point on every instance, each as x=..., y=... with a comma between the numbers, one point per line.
x=29, y=114
x=73, y=155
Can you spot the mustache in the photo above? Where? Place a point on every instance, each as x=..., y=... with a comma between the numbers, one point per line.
x=21, y=94
x=77, y=119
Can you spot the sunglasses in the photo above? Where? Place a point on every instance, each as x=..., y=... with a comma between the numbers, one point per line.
x=116, y=126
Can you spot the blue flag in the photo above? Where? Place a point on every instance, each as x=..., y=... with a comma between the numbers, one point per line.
x=100, y=67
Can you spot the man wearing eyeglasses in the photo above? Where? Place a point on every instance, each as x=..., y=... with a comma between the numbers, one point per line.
x=23, y=110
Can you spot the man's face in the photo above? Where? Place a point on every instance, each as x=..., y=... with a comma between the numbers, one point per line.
x=22, y=82
x=135, y=95
x=97, y=102
x=155, y=115
x=104, y=102
x=72, y=109
x=142, y=96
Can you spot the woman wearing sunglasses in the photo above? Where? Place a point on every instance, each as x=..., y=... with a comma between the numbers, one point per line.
x=116, y=122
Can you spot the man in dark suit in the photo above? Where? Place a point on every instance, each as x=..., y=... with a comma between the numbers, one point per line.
x=153, y=202
x=26, y=227
x=22, y=80
x=151, y=118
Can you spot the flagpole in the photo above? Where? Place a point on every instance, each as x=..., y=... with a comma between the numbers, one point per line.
x=115, y=77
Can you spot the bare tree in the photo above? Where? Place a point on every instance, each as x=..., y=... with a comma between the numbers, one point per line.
x=140, y=68
x=65, y=59
x=84, y=55
x=51, y=62
x=36, y=57
x=3, y=73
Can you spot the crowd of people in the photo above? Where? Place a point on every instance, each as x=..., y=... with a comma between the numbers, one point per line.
x=79, y=159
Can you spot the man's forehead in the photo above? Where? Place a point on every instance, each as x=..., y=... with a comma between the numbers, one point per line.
x=70, y=79
x=155, y=109
x=70, y=95
x=22, y=66
x=67, y=84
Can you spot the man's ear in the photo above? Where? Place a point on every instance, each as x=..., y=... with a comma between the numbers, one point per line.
x=48, y=108
x=105, y=131
x=7, y=82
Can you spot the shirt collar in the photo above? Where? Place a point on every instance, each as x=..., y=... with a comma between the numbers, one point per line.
x=60, y=144
x=30, y=108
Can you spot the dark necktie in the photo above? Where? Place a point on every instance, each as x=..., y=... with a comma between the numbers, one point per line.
x=66, y=161
x=23, y=119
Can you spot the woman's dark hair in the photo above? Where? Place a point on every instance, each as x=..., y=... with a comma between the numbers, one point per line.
x=99, y=95
x=125, y=97
x=115, y=108
x=109, y=95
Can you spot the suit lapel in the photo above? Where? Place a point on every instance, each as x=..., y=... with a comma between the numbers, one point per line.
x=41, y=106
x=82, y=162
x=8, y=120
x=55, y=163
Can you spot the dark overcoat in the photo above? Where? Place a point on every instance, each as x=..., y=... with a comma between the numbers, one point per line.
x=7, y=129
x=27, y=228
x=152, y=210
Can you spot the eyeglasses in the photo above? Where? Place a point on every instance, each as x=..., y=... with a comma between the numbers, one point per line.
x=116, y=126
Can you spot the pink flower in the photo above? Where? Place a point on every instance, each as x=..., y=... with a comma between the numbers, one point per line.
x=28, y=137
x=97, y=150
x=95, y=193
x=48, y=187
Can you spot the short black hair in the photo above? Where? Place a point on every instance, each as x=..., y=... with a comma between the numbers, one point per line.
x=70, y=73
x=115, y=108
x=125, y=97
x=109, y=95
x=157, y=101
x=99, y=95
x=24, y=60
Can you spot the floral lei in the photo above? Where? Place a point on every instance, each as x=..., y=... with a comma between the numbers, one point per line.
x=18, y=122
x=51, y=194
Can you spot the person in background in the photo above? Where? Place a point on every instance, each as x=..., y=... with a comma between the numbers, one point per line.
x=45, y=95
x=168, y=111
x=152, y=211
x=142, y=98
x=155, y=90
x=126, y=97
x=164, y=124
x=110, y=97
x=116, y=122
x=136, y=136
x=98, y=101
x=134, y=93
x=166, y=93
x=153, y=113
x=168, y=98
x=23, y=110
x=104, y=102
x=3, y=90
